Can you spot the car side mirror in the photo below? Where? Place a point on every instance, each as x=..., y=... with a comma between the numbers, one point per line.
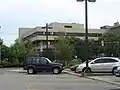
x=92, y=62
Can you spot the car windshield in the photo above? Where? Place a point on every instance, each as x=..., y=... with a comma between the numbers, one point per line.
x=48, y=60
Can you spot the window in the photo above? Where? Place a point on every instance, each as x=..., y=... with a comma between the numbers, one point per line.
x=58, y=33
x=40, y=33
x=43, y=60
x=29, y=60
x=50, y=27
x=43, y=27
x=110, y=60
x=38, y=60
x=99, y=61
x=47, y=33
x=67, y=26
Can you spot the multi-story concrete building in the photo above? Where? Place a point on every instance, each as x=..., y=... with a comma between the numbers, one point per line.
x=38, y=34
x=112, y=29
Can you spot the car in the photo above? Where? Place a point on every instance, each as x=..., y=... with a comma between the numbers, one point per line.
x=101, y=64
x=73, y=68
x=40, y=64
x=117, y=72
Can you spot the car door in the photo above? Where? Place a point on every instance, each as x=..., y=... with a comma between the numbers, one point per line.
x=45, y=64
x=97, y=65
x=109, y=63
x=38, y=66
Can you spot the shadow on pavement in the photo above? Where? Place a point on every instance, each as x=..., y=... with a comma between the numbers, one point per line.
x=43, y=73
x=115, y=89
x=102, y=74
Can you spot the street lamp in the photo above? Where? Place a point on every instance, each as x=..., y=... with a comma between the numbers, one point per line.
x=86, y=28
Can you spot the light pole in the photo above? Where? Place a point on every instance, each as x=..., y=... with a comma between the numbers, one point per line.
x=86, y=28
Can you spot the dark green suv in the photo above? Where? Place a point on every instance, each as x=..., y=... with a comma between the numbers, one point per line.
x=39, y=64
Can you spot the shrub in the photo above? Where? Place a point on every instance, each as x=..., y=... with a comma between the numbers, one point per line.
x=74, y=63
x=5, y=64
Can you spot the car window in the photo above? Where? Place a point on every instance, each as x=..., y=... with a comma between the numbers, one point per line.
x=38, y=60
x=110, y=60
x=29, y=60
x=100, y=61
x=43, y=60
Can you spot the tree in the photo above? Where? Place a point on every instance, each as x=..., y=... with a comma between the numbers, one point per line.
x=20, y=50
x=1, y=42
x=64, y=50
x=4, y=52
x=111, y=44
x=94, y=48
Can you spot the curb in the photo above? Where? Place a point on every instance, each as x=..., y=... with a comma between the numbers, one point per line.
x=71, y=73
x=79, y=75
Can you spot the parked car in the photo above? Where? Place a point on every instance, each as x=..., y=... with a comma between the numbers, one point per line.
x=73, y=68
x=117, y=72
x=102, y=64
x=39, y=64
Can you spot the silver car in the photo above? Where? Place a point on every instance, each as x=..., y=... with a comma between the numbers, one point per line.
x=102, y=64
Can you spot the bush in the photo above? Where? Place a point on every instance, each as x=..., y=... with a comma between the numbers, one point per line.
x=74, y=63
x=6, y=64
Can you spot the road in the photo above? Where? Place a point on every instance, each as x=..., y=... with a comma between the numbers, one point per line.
x=43, y=81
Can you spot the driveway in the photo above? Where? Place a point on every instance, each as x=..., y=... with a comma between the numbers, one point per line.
x=48, y=81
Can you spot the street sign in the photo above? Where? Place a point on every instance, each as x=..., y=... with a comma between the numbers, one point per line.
x=91, y=0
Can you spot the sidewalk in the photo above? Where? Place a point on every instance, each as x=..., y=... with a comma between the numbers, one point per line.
x=18, y=70
x=104, y=78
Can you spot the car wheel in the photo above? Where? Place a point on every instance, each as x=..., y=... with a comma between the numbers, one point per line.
x=56, y=70
x=30, y=71
x=85, y=70
x=114, y=70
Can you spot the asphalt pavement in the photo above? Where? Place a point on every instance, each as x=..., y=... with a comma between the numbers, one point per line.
x=48, y=81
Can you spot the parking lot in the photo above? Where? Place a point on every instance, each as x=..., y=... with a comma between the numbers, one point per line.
x=48, y=81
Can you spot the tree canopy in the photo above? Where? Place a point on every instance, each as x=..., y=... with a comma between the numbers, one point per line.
x=64, y=50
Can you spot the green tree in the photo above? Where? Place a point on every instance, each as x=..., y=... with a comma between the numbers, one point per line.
x=1, y=43
x=111, y=44
x=64, y=50
x=4, y=52
x=20, y=49
x=93, y=48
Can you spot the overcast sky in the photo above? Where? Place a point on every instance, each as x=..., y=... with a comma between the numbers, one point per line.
x=31, y=13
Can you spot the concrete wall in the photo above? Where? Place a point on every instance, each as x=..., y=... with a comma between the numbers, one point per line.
x=23, y=31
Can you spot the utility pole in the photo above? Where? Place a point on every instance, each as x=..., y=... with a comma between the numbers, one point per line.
x=46, y=39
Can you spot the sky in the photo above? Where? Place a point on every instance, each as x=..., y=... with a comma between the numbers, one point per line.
x=31, y=13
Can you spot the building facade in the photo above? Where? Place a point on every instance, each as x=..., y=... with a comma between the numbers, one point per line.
x=38, y=34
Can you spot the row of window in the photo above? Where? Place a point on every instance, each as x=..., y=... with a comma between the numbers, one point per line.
x=61, y=33
x=37, y=60
x=52, y=27
x=105, y=61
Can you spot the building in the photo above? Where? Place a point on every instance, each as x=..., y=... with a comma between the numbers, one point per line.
x=112, y=29
x=38, y=34
x=115, y=28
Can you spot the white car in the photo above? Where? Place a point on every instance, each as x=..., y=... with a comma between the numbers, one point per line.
x=102, y=64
